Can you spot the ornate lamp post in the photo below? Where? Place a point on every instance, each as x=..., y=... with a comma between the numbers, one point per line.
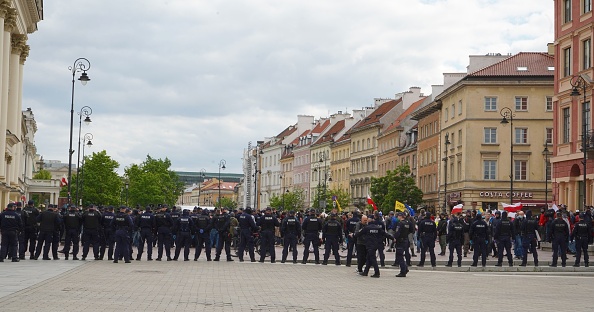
x=222, y=164
x=546, y=155
x=579, y=83
x=88, y=137
x=445, y=169
x=508, y=114
x=87, y=111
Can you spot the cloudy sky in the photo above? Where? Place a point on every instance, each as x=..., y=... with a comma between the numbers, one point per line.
x=196, y=80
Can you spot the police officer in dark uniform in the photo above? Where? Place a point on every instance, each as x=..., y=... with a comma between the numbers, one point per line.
x=124, y=225
x=428, y=233
x=146, y=224
x=21, y=235
x=107, y=233
x=559, y=236
x=311, y=226
x=373, y=235
x=529, y=242
x=350, y=228
x=91, y=228
x=184, y=228
x=10, y=225
x=455, y=239
x=49, y=222
x=29, y=216
x=222, y=222
x=164, y=223
x=72, y=226
x=582, y=234
x=247, y=226
x=479, y=237
x=267, y=224
x=332, y=237
x=203, y=227
x=291, y=231
x=503, y=233
x=403, y=228
x=175, y=214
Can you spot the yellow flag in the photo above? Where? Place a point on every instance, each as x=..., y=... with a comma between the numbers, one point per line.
x=338, y=205
x=399, y=206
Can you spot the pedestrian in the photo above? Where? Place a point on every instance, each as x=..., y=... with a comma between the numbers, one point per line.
x=332, y=237
x=184, y=227
x=247, y=227
x=267, y=223
x=479, y=237
x=360, y=243
x=107, y=233
x=442, y=233
x=222, y=222
x=455, y=239
x=465, y=221
x=428, y=233
x=146, y=224
x=403, y=228
x=49, y=222
x=123, y=224
x=502, y=234
x=29, y=214
x=351, y=224
x=10, y=225
x=529, y=228
x=582, y=234
x=558, y=237
x=373, y=235
x=163, y=222
x=518, y=249
x=72, y=226
x=203, y=228
x=291, y=231
x=312, y=225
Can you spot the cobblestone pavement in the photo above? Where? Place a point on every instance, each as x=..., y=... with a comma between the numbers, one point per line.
x=233, y=286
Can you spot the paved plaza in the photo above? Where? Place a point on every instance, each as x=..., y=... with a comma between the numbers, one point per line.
x=233, y=286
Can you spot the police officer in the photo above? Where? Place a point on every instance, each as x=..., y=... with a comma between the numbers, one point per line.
x=373, y=234
x=290, y=230
x=91, y=228
x=123, y=225
x=10, y=225
x=311, y=226
x=247, y=226
x=559, y=236
x=529, y=242
x=203, y=228
x=502, y=234
x=350, y=228
x=184, y=228
x=332, y=237
x=267, y=224
x=175, y=214
x=163, y=223
x=455, y=239
x=403, y=228
x=72, y=226
x=146, y=224
x=222, y=222
x=107, y=233
x=582, y=234
x=479, y=238
x=29, y=215
x=360, y=243
x=428, y=233
x=49, y=222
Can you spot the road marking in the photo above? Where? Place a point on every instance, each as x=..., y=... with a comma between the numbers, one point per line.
x=543, y=274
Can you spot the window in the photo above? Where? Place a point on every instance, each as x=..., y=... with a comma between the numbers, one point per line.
x=567, y=62
x=549, y=134
x=490, y=104
x=521, y=136
x=549, y=103
x=446, y=114
x=521, y=103
x=586, y=110
x=460, y=137
x=586, y=54
x=566, y=11
x=490, y=135
x=587, y=6
x=489, y=169
x=520, y=169
x=453, y=111
x=566, y=125
x=460, y=107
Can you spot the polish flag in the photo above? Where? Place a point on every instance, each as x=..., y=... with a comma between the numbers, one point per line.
x=457, y=209
x=512, y=208
x=371, y=202
x=63, y=181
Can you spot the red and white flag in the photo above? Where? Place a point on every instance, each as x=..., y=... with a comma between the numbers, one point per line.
x=458, y=208
x=371, y=202
x=63, y=181
x=512, y=208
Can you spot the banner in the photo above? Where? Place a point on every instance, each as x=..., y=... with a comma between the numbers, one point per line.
x=410, y=210
x=399, y=206
x=512, y=208
x=458, y=208
x=371, y=202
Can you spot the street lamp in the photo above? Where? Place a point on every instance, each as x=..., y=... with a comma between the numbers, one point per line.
x=127, y=186
x=80, y=64
x=256, y=171
x=546, y=155
x=87, y=111
x=445, y=169
x=87, y=138
x=221, y=166
x=319, y=171
x=579, y=82
x=201, y=175
x=507, y=113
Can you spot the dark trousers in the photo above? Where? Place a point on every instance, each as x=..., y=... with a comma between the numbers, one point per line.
x=246, y=240
x=400, y=258
x=311, y=238
x=9, y=244
x=581, y=244
x=428, y=243
x=480, y=249
x=29, y=238
x=44, y=240
x=267, y=245
x=361, y=256
x=107, y=242
x=559, y=242
x=56, y=243
x=529, y=243
x=202, y=239
x=290, y=241
x=332, y=245
x=371, y=261
x=72, y=238
x=164, y=240
x=146, y=237
x=224, y=241
x=184, y=239
x=91, y=236
x=122, y=245
x=350, y=247
x=504, y=242
x=457, y=246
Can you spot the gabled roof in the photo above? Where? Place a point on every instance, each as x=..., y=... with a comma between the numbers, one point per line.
x=329, y=135
x=287, y=131
x=377, y=114
x=412, y=108
x=321, y=126
x=521, y=64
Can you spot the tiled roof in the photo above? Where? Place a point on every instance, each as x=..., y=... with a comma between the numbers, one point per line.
x=413, y=107
x=377, y=114
x=521, y=64
x=321, y=126
x=329, y=135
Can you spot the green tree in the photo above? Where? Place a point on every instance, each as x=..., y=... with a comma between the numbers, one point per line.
x=101, y=184
x=152, y=182
x=42, y=175
x=227, y=203
x=342, y=196
x=396, y=185
x=292, y=200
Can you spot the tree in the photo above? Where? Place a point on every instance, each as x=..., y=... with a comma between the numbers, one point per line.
x=42, y=175
x=101, y=184
x=152, y=182
x=396, y=185
x=292, y=200
x=227, y=203
x=342, y=196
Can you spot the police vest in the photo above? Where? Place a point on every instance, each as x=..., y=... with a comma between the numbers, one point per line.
x=458, y=231
x=332, y=227
x=220, y=221
x=480, y=230
x=530, y=226
x=268, y=223
x=31, y=217
x=312, y=225
x=428, y=226
x=91, y=220
x=405, y=229
x=146, y=220
x=121, y=221
x=505, y=228
x=72, y=221
x=582, y=230
x=291, y=225
x=108, y=218
x=202, y=221
x=559, y=227
x=352, y=224
x=184, y=224
x=161, y=220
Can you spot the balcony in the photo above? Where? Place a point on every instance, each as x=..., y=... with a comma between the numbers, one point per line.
x=589, y=144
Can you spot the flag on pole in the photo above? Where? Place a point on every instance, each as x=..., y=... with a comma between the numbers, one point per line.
x=371, y=202
x=458, y=208
x=63, y=181
x=410, y=210
x=399, y=206
x=512, y=208
x=337, y=203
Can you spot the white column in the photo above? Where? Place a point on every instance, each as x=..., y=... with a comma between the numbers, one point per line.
x=17, y=43
x=4, y=12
